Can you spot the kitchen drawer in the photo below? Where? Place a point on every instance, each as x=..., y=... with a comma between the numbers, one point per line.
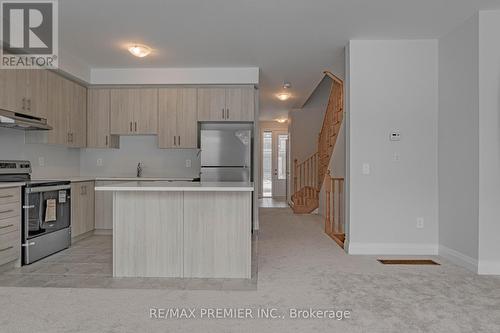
x=10, y=195
x=10, y=210
x=10, y=224
x=10, y=247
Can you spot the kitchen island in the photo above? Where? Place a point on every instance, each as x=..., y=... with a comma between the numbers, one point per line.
x=181, y=229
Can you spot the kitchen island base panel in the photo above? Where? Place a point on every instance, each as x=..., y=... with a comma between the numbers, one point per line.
x=217, y=234
x=182, y=234
x=147, y=234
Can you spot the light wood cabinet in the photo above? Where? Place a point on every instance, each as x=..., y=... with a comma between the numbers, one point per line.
x=98, y=127
x=103, y=208
x=77, y=115
x=177, y=120
x=8, y=89
x=226, y=104
x=10, y=225
x=211, y=104
x=32, y=92
x=134, y=111
x=66, y=112
x=82, y=208
x=24, y=91
x=56, y=115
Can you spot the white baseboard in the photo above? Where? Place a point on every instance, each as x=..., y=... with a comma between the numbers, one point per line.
x=392, y=248
x=458, y=258
x=488, y=267
x=105, y=232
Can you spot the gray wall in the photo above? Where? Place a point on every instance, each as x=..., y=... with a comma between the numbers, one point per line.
x=489, y=143
x=458, y=142
x=393, y=85
x=59, y=161
x=133, y=149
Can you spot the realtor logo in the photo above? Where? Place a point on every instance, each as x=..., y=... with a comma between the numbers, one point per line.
x=29, y=34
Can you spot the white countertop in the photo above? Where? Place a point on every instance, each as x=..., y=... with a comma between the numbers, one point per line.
x=178, y=186
x=92, y=178
x=11, y=184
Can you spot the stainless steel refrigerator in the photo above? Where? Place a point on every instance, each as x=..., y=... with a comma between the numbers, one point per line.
x=226, y=152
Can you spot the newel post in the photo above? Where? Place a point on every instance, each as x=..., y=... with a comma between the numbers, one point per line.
x=295, y=163
x=327, y=203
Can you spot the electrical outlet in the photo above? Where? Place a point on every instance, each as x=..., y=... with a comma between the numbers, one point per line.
x=99, y=162
x=188, y=163
x=41, y=161
x=366, y=168
x=396, y=157
x=420, y=222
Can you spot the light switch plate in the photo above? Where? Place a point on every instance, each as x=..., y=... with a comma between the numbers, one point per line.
x=366, y=168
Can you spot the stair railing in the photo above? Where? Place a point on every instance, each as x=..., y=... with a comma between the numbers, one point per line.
x=334, y=207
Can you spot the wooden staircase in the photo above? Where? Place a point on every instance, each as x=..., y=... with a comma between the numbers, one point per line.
x=309, y=175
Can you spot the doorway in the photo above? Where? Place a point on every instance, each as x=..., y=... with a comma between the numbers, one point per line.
x=274, y=164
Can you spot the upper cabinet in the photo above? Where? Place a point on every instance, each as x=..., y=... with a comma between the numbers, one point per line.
x=24, y=91
x=226, y=104
x=98, y=116
x=177, y=124
x=66, y=112
x=134, y=111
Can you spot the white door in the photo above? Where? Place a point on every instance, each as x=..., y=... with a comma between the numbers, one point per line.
x=280, y=165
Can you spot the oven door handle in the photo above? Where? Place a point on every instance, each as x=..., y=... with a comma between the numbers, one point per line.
x=47, y=188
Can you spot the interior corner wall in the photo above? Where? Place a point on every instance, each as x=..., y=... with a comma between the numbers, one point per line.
x=458, y=142
x=489, y=143
x=393, y=85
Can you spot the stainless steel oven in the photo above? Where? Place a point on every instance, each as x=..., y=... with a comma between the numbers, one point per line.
x=46, y=219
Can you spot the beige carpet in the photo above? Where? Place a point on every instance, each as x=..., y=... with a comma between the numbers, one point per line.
x=299, y=267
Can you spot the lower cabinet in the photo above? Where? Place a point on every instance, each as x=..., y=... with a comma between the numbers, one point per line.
x=10, y=224
x=82, y=208
x=103, y=208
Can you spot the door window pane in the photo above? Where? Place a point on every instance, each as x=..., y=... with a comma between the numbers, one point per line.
x=267, y=164
x=282, y=143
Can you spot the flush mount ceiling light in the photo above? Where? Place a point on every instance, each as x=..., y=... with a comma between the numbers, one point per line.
x=285, y=94
x=139, y=50
x=281, y=120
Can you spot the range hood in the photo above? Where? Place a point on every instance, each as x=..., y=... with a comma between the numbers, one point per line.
x=22, y=122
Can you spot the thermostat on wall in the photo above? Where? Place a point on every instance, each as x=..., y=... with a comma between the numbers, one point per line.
x=395, y=136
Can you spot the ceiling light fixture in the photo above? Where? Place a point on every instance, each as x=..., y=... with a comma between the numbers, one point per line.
x=281, y=120
x=285, y=94
x=139, y=50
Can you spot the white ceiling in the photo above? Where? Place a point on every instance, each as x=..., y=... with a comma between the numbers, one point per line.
x=289, y=40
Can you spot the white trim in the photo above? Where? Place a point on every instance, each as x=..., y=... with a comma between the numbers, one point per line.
x=392, y=248
x=458, y=258
x=221, y=75
x=488, y=267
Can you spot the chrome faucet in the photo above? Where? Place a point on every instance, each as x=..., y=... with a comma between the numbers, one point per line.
x=139, y=170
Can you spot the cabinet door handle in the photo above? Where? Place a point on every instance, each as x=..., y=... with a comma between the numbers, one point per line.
x=7, y=248
x=175, y=140
x=106, y=140
x=227, y=113
x=24, y=103
x=29, y=104
x=179, y=140
x=223, y=114
x=6, y=211
x=135, y=126
x=6, y=196
x=6, y=226
x=69, y=137
x=130, y=126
